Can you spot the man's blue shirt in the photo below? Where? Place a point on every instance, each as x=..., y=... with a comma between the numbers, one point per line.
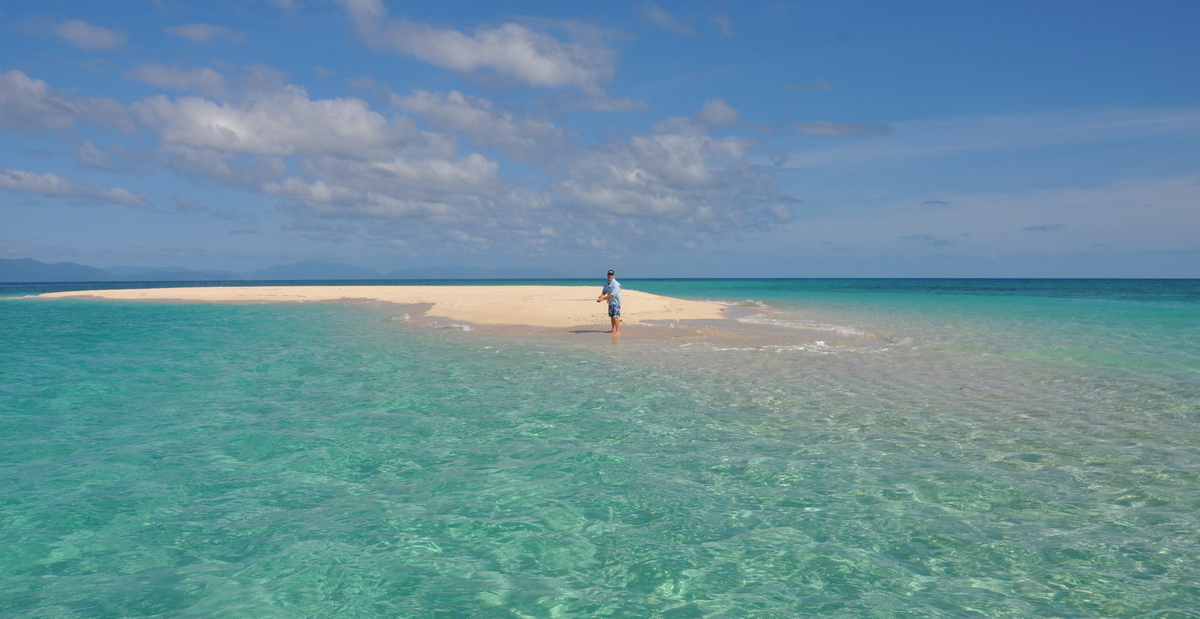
x=613, y=287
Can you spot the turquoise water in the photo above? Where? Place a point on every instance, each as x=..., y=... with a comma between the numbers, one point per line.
x=939, y=448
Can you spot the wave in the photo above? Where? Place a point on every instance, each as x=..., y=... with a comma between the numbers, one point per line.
x=755, y=303
x=763, y=319
x=818, y=346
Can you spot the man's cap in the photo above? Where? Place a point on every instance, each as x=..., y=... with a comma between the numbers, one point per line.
x=612, y=272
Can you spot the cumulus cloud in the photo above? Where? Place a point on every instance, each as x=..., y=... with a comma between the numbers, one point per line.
x=48, y=184
x=203, y=33
x=676, y=184
x=284, y=122
x=659, y=17
x=346, y=161
x=464, y=193
x=207, y=163
x=679, y=185
x=30, y=105
x=650, y=175
x=89, y=156
x=336, y=159
x=421, y=179
x=202, y=80
x=227, y=168
x=678, y=188
x=510, y=50
x=714, y=114
x=485, y=126
x=828, y=129
x=89, y=37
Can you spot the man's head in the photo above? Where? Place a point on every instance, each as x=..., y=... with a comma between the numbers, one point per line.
x=611, y=273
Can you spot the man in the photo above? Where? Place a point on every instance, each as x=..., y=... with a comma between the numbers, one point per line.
x=612, y=293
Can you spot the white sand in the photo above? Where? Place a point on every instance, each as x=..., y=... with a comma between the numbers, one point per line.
x=550, y=307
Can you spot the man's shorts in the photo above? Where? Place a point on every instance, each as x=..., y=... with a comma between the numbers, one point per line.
x=614, y=310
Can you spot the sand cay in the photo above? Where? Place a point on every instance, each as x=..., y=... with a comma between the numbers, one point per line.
x=543, y=307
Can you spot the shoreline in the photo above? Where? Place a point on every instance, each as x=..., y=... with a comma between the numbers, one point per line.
x=542, y=308
x=539, y=311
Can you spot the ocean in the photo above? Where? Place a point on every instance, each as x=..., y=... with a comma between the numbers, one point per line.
x=855, y=448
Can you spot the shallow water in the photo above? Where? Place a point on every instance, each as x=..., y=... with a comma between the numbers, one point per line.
x=969, y=448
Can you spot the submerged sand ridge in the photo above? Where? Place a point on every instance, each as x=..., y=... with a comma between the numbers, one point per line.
x=550, y=307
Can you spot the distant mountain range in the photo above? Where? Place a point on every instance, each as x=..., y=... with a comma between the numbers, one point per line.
x=27, y=270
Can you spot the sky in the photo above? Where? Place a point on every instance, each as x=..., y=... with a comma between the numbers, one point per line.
x=662, y=139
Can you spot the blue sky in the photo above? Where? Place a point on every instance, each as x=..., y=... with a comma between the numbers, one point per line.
x=773, y=139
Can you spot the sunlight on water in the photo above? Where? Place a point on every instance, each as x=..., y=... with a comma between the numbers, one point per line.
x=961, y=455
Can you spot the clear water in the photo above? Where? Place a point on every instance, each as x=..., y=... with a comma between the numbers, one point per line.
x=958, y=448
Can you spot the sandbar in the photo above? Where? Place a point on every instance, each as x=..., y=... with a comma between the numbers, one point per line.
x=543, y=307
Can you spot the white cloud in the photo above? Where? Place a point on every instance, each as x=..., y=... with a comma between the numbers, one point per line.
x=423, y=191
x=828, y=129
x=88, y=37
x=509, y=50
x=92, y=157
x=202, y=80
x=665, y=20
x=284, y=122
x=603, y=103
x=48, y=184
x=206, y=163
x=655, y=165
x=679, y=186
x=30, y=105
x=676, y=185
x=487, y=127
x=345, y=161
x=714, y=114
x=203, y=33
x=350, y=162
x=427, y=180
x=27, y=103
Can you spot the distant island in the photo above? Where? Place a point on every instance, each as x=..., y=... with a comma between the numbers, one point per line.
x=27, y=270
